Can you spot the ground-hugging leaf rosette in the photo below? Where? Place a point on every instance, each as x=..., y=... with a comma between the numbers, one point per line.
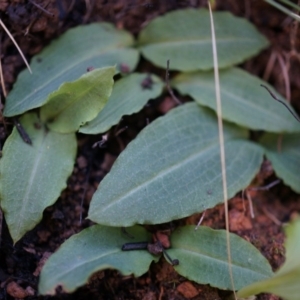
x=172, y=170
x=94, y=249
x=33, y=176
x=184, y=38
x=66, y=59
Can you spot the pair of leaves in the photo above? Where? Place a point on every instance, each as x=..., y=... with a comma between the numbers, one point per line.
x=128, y=97
x=180, y=173
x=32, y=177
x=68, y=58
x=285, y=282
x=184, y=37
x=78, y=102
x=202, y=257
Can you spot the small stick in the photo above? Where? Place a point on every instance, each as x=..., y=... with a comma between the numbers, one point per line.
x=271, y=217
x=266, y=187
x=101, y=143
x=25, y=137
x=169, y=87
x=41, y=8
x=200, y=221
x=282, y=102
x=174, y=262
x=135, y=246
x=250, y=205
x=3, y=89
x=243, y=199
x=285, y=72
x=16, y=44
x=121, y=130
x=2, y=80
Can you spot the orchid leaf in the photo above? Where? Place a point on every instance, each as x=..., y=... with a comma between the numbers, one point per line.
x=66, y=59
x=33, y=176
x=184, y=38
x=172, y=170
x=94, y=249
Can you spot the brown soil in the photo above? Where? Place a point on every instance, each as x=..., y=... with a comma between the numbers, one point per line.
x=34, y=29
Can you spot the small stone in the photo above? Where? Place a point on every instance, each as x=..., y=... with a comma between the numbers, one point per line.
x=238, y=221
x=163, y=237
x=187, y=290
x=16, y=291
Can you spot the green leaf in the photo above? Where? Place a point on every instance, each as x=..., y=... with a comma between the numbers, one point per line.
x=244, y=101
x=172, y=170
x=94, y=249
x=66, y=59
x=78, y=102
x=202, y=256
x=284, y=153
x=128, y=97
x=184, y=37
x=32, y=176
x=285, y=282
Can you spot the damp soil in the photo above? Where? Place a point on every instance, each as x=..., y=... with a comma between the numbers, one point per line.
x=33, y=28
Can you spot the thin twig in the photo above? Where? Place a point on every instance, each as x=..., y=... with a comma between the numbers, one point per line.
x=24, y=135
x=271, y=217
x=3, y=88
x=41, y=8
x=243, y=201
x=270, y=66
x=282, y=102
x=200, y=221
x=169, y=87
x=266, y=187
x=250, y=205
x=285, y=72
x=2, y=79
x=222, y=147
x=17, y=46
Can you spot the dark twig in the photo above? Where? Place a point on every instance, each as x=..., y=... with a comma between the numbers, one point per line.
x=135, y=246
x=174, y=262
x=41, y=8
x=282, y=102
x=169, y=87
x=25, y=137
x=155, y=249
